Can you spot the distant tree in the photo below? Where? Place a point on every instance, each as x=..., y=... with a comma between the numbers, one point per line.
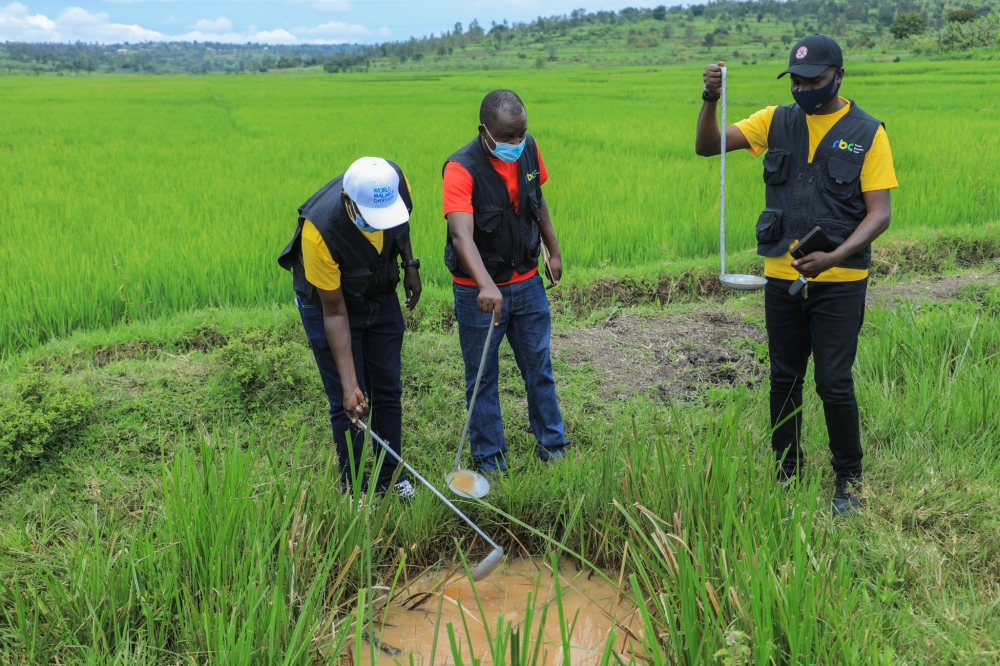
x=709, y=39
x=907, y=24
x=962, y=15
x=660, y=13
x=458, y=29
x=697, y=10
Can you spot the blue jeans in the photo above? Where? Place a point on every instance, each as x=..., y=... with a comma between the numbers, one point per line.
x=376, y=343
x=526, y=322
x=825, y=325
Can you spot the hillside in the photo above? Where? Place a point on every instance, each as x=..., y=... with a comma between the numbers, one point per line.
x=748, y=31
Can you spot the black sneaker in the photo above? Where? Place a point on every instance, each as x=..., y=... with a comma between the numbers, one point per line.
x=847, y=496
x=788, y=473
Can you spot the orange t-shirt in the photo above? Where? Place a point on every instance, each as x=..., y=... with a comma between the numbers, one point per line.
x=457, y=198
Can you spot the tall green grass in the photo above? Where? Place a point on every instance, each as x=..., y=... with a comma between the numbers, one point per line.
x=247, y=552
x=124, y=198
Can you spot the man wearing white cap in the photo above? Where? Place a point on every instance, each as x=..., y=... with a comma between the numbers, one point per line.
x=344, y=261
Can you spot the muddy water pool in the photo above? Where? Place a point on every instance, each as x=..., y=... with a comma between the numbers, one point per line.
x=400, y=630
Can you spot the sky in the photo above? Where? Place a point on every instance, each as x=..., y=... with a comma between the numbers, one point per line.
x=267, y=21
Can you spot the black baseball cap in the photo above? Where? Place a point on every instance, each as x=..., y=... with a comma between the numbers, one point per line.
x=812, y=55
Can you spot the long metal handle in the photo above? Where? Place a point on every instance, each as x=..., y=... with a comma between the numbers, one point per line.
x=722, y=182
x=431, y=488
x=475, y=392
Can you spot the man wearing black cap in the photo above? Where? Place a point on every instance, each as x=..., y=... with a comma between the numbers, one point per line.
x=828, y=164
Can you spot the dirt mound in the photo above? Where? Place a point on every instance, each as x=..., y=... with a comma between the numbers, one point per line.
x=668, y=355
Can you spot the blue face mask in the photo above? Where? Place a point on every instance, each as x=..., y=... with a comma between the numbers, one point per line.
x=506, y=151
x=812, y=101
x=360, y=223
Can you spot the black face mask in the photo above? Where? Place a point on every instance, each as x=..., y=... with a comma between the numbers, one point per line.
x=812, y=101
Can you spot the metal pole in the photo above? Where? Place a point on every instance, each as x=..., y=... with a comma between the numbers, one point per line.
x=475, y=391
x=429, y=487
x=722, y=182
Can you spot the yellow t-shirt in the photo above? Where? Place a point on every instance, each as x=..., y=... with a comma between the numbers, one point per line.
x=877, y=173
x=321, y=270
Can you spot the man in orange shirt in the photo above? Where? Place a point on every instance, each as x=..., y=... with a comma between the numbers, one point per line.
x=828, y=164
x=497, y=220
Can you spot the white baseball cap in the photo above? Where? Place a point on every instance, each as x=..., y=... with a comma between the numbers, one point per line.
x=373, y=185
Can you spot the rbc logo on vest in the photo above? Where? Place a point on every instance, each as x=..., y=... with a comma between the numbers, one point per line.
x=849, y=147
x=531, y=176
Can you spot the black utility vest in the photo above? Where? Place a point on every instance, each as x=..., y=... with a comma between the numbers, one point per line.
x=507, y=240
x=365, y=274
x=825, y=193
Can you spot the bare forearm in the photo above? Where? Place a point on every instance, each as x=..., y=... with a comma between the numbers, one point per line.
x=873, y=226
x=708, y=140
x=469, y=254
x=406, y=252
x=460, y=230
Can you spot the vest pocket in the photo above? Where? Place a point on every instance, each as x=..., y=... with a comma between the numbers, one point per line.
x=842, y=177
x=493, y=262
x=769, y=225
x=777, y=162
x=488, y=219
x=355, y=282
x=835, y=230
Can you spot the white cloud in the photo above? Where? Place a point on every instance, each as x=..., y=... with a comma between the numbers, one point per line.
x=385, y=32
x=17, y=24
x=220, y=24
x=273, y=37
x=332, y=5
x=337, y=31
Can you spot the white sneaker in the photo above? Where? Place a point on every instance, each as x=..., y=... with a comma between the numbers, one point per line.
x=405, y=490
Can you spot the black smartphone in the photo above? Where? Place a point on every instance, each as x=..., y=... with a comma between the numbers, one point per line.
x=814, y=241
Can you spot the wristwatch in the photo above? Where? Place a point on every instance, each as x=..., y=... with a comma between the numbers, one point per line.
x=412, y=263
x=707, y=97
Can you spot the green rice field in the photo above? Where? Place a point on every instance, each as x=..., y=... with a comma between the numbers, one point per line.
x=169, y=494
x=126, y=198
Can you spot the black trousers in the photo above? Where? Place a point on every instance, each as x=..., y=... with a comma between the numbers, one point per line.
x=826, y=325
x=376, y=344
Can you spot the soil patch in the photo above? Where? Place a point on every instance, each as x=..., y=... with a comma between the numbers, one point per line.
x=929, y=288
x=670, y=355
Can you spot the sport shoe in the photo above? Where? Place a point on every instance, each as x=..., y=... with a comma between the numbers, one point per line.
x=847, y=496
x=405, y=490
x=788, y=473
